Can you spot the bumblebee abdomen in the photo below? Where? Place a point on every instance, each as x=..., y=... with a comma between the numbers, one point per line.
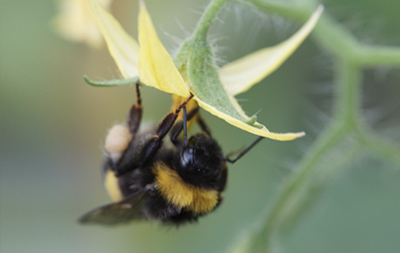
x=181, y=194
x=111, y=183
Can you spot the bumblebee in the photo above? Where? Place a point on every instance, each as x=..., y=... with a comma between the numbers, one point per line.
x=149, y=180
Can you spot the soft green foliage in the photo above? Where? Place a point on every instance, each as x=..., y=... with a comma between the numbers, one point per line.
x=54, y=125
x=351, y=58
x=346, y=136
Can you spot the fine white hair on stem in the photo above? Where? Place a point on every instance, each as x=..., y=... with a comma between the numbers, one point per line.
x=200, y=10
x=186, y=32
x=114, y=73
x=316, y=118
x=218, y=49
x=118, y=73
x=175, y=39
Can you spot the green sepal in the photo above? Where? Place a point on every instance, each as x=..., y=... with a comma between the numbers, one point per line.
x=204, y=78
x=111, y=83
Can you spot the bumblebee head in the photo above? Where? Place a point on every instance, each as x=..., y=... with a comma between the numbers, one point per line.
x=199, y=162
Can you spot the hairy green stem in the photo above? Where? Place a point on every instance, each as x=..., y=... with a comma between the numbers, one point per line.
x=199, y=34
x=381, y=147
x=350, y=58
x=348, y=78
x=207, y=18
x=305, y=168
x=378, y=55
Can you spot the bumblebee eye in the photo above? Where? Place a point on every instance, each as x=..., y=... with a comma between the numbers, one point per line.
x=192, y=157
x=187, y=158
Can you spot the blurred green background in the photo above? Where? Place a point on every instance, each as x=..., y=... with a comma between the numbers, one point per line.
x=53, y=126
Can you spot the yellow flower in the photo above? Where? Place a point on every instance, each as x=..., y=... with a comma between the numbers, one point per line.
x=76, y=22
x=214, y=89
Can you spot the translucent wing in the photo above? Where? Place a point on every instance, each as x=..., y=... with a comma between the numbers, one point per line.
x=124, y=211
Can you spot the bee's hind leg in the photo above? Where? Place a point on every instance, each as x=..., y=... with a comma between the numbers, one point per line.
x=119, y=137
x=134, y=116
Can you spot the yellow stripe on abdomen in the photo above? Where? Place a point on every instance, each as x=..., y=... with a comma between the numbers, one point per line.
x=111, y=184
x=181, y=194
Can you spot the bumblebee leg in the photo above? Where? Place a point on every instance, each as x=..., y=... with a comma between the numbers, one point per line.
x=151, y=146
x=203, y=125
x=178, y=127
x=243, y=152
x=133, y=119
x=154, y=144
x=185, y=126
x=223, y=179
x=135, y=113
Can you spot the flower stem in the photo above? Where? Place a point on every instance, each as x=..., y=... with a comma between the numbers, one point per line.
x=378, y=55
x=207, y=18
x=306, y=168
x=348, y=101
x=199, y=34
x=382, y=147
x=351, y=57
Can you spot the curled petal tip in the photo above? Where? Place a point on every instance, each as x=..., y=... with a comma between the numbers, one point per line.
x=242, y=74
x=318, y=12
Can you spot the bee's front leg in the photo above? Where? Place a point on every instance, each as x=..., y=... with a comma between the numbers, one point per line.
x=154, y=144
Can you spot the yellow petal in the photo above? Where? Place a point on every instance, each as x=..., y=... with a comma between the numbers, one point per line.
x=242, y=74
x=123, y=48
x=156, y=67
x=246, y=127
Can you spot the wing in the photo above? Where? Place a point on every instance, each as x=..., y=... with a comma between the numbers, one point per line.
x=128, y=209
